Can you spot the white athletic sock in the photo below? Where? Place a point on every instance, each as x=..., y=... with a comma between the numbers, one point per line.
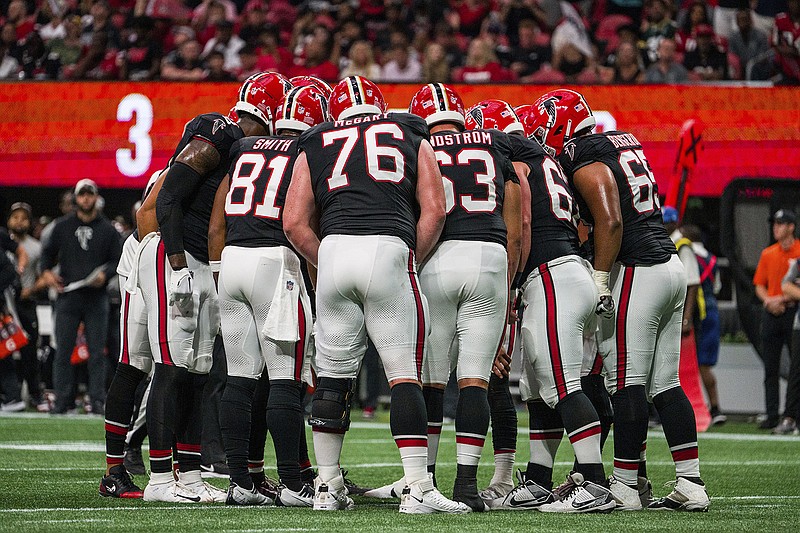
x=328, y=451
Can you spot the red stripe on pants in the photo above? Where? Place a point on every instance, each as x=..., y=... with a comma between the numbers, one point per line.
x=622, y=330
x=419, y=348
x=552, y=332
x=163, y=308
x=126, y=357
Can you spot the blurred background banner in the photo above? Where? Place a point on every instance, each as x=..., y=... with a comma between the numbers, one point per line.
x=119, y=133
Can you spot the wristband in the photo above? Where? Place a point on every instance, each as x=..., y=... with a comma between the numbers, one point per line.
x=214, y=265
x=601, y=282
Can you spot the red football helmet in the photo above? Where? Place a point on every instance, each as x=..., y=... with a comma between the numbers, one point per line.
x=493, y=114
x=260, y=95
x=436, y=102
x=527, y=117
x=301, y=108
x=355, y=95
x=560, y=114
x=303, y=81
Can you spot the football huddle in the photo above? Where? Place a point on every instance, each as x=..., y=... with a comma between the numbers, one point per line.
x=310, y=219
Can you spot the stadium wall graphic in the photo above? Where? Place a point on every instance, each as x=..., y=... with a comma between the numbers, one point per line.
x=119, y=133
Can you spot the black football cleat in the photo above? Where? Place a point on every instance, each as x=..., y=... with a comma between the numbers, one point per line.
x=118, y=484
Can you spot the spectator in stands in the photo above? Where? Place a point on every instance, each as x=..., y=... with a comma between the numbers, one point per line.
x=226, y=42
x=87, y=248
x=141, y=58
x=725, y=16
x=707, y=326
x=630, y=8
x=402, y=67
x=447, y=38
x=532, y=49
x=100, y=22
x=687, y=35
x=9, y=65
x=481, y=65
x=349, y=33
x=272, y=56
x=51, y=20
x=183, y=64
x=626, y=69
x=17, y=14
x=786, y=42
x=778, y=315
x=248, y=58
x=67, y=51
x=791, y=414
x=435, y=68
x=470, y=15
x=254, y=19
x=206, y=17
x=666, y=69
x=573, y=63
x=656, y=26
x=707, y=62
x=33, y=56
x=19, y=223
x=764, y=13
x=747, y=43
x=215, y=67
x=361, y=62
x=317, y=62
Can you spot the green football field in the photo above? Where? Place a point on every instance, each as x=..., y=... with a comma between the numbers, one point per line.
x=50, y=468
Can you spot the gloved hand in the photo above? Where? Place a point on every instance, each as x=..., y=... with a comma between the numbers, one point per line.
x=180, y=286
x=605, y=302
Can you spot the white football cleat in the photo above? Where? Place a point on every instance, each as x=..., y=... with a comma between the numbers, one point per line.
x=421, y=497
x=586, y=497
x=494, y=494
x=393, y=490
x=331, y=496
x=685, y=496
x=171, y=491
x=237, y=495
x=302, y=498
x=627, y=498
x=645, y=491
x=208, y=493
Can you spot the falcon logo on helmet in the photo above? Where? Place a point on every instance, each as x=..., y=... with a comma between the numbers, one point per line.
x=301, y=109
x=548, y=107
x=560, y=115
x=494, y=114
x=260, y=95
x=355, y=95
x=437, y=103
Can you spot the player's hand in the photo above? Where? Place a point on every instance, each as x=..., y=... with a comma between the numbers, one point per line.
x=180, y=286
x=605, y=306
x=99, y=281
x=502, y=364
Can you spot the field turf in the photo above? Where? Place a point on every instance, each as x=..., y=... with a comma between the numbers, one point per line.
x=50, y=468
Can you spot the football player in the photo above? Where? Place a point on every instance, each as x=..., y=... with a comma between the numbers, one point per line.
x=553, y=280
x=264, y=308
x=633, y=254
x=466, y=279
x=178, y=288
x=134, y=364
x=365, y=205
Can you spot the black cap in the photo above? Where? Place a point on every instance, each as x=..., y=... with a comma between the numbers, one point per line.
x=784, y=216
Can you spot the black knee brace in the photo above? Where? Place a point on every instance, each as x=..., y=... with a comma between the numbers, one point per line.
x=330, y=408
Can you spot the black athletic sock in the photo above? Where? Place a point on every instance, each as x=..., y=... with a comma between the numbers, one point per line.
x=594, y=386
x=307, y=473
x=583, y=429
x=234, y=421
x=258, y=423
x=163, y=414
x=408, y=422
x=434, y=406
x=503, y=416
x=678, y=422
x=472, y=423
x=189, y=444
x=630, y=431
x=546, y=432
x=120, y=401
x=285, y=421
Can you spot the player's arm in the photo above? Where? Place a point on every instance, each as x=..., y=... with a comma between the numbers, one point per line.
x=146, y=220
x=196, y=160
x=523, y=170
x=300, y=217
x=513, y=218
x=596, y=184
x=430, y=196
x=217, y=227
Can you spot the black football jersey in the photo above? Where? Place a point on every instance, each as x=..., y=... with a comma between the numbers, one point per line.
x=554, y=212
x=220, y=132
x=475, y=167
x=644, y=239
x=364, y=174
x=260, y=172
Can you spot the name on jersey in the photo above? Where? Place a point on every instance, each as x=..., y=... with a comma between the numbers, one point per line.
x=464, y=137
x=623, y=140
x=281, y=145
x=359, y=120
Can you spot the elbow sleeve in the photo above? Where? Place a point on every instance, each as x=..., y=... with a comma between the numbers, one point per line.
x=178, y=186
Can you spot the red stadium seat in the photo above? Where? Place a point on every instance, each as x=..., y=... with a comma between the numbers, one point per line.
x=607, y=30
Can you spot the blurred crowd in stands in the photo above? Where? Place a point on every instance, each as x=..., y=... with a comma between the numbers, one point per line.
x=471, y=41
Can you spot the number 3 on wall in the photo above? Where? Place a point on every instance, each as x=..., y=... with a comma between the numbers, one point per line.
x=139, y=135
